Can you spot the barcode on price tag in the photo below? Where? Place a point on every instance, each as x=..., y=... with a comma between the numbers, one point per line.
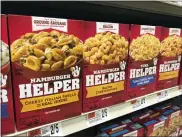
x=51, y=130
x=162, y=96
x=98, y=117
x=139, y=103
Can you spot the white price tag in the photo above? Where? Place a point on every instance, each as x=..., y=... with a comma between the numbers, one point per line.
x=162, y=96
x=98, y=117
x=52, y=130
x=139, y=103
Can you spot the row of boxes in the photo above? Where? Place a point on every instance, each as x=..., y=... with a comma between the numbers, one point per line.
x=61, y=64
x=164, y=120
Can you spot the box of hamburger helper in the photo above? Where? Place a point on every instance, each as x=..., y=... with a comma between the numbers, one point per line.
x=7, y=109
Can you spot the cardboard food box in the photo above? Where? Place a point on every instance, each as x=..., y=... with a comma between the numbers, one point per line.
x=174, y=119
x=46, y=55
x=140, y=115
x=105, y=55
x=132, y=130
x=7, y=110
x=162, y=107
x=180, y=128
x=143, y=55
x=155, y=125
x=174, y=114
x=169, y=58
x=114, y=125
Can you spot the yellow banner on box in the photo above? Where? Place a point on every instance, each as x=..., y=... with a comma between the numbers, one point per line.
x=105, y=89
x=42, y=102
x=168, y=75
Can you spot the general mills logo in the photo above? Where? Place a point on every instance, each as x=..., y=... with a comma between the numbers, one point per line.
x=122, y=65
x=76, y=71
x=179, y=58
x=155, y=61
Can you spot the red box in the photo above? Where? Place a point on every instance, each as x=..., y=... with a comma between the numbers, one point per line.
x=169, y=58
x=140, y=115
x=133, y=130
x=114, y=125
x=142, y=65
x=46, y=55
x=7, y=110
x=105, y=57
x=174, y=115
x=155, y=125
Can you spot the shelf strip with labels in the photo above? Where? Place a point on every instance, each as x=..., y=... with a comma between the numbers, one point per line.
x=86, y=120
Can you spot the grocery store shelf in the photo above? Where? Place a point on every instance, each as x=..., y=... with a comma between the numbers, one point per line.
x=156, y=12
x=157, y=6
x=79, y=123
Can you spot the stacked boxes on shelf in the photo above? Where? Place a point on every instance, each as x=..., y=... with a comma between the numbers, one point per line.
x=105, y=55
x=164, y=120
x=142, y=64
x=61, y=64
x=169, y=58
x=46, y=57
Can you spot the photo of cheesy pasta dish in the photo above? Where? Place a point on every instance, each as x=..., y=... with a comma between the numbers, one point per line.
x=171, y=46
x=174, y=124
x=160, y=132
x=4, y=54
x=105, y=48
x=47, y=51
x=145, y=47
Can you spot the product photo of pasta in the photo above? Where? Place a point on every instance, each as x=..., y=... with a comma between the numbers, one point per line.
x=145, y=47
x=171, y=46
x=174, y=123
x=105, y=48
x=4, y=54
x=46, y=51
x=162, y=131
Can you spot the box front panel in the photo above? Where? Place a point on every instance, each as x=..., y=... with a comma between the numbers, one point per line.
x=105, y=58
x=169, y=58
x=46, y=55
x=143, y=56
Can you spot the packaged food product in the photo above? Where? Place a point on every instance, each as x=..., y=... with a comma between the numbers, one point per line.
x=135, y=130
x=169, y=58
x=140, y=115
x=46, y=55
x=7, y=110
x=114, y=125
x=180, y=128
x=142, y=65
x=162, y=107
x=104, y=62
x=155, y=125
x=174, y=119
